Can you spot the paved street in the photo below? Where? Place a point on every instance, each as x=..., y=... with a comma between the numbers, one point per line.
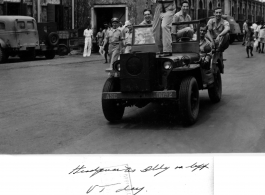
x=54, y=107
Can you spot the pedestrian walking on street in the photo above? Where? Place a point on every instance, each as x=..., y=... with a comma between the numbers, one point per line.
x=262, y=37
x=249, y=40
x=162, y=24
x=114, y=38
x=106, y=47
x=245, y=29
x=88, y=34
x=100, y=36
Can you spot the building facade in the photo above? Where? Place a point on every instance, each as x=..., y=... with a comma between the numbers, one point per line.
x=72, y=14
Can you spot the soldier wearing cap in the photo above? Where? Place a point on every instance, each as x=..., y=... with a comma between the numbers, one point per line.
x=114, y=38
x=162, y=24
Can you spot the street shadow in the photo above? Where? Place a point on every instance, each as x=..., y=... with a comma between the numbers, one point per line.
x=165, y=117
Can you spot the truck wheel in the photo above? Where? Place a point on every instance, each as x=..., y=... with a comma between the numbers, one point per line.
x=53, y=38
x=50, y=54
x=3, y=56
x=112, y=109
x=215, y=91
x=189, y=101
x=63, y=50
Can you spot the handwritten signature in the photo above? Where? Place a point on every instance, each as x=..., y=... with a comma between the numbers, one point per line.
x=82, y=169
x=126, y=169
x=127, y=188
x=155, y=168
x=200, y=167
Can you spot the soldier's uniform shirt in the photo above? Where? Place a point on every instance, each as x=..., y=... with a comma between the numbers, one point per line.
x=215, y=28
x=179, y=17
x=205, y=45
x=114, y=38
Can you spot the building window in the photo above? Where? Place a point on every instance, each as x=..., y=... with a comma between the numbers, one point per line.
x=200, y=4
x=30, y=25
x=21, y=25
x=210, y=6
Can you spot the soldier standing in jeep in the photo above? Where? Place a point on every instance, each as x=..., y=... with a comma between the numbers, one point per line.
x=218, y=30
x=162, y=24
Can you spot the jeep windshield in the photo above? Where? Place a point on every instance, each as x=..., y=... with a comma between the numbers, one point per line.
x=143, y=35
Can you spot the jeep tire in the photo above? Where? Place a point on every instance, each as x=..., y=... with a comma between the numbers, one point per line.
x=189, y=100
x=215, y=91
x=50, y=54
x=112, y=109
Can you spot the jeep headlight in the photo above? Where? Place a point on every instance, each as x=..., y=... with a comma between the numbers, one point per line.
x=186, y=60
x=117, y=66
x=168, y=65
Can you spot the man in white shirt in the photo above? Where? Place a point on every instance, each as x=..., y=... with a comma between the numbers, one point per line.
x=88, y=33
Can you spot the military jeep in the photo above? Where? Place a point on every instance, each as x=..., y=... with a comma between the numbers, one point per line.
x=142, y=76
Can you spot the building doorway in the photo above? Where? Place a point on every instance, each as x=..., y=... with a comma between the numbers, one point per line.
x=104, y=14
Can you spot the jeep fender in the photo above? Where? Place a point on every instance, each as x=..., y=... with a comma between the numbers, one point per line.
x=177, y=75
x=2, y=44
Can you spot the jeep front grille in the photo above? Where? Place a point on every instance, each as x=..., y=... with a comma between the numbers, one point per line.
x=134, y=66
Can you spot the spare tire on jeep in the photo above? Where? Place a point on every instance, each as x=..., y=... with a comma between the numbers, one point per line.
x=53, y=38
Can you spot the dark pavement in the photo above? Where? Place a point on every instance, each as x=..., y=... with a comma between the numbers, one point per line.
x=54, y=106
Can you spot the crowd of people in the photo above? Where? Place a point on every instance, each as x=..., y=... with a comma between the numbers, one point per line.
x=116, y=38
x=254, y=36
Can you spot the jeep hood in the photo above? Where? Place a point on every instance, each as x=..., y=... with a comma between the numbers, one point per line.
x=193, y=56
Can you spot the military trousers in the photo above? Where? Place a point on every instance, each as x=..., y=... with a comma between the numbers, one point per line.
x=114, y=53
x=162, y=25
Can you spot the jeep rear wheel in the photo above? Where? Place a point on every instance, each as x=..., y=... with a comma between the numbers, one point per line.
x=112, y=109
x=50, y=54
x=215, y=91
x=189, y=100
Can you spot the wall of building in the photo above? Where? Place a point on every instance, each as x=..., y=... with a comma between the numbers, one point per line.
x=81, y=14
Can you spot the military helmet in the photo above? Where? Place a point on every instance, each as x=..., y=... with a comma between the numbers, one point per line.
x=115, y=20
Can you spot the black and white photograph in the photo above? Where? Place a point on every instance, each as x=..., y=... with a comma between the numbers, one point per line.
x=178, y=80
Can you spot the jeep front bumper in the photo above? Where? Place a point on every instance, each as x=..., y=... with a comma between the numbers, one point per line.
x=170, y=94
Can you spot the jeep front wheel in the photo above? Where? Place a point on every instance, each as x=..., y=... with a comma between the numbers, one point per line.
x=189, y=100
x=112, y=109
x=215, y=91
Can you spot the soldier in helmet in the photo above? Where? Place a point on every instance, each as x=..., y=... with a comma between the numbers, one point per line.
x=114, y=38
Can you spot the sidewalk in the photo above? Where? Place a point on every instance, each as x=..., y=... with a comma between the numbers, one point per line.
x=16, y=63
